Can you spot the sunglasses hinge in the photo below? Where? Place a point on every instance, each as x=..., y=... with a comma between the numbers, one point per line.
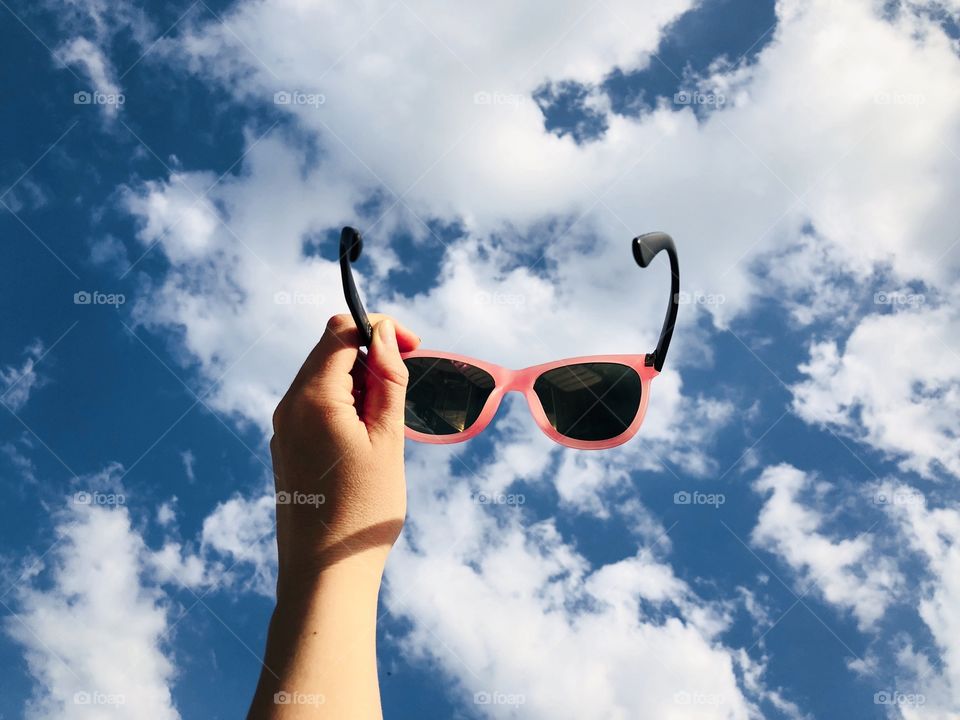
x=650, y=360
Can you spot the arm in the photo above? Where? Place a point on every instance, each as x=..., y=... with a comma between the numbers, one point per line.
x=338, y=462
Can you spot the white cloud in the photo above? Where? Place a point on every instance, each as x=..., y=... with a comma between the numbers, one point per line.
x=236, y=548
x=817, y=280
x=94, y=634
x=522, y=613
x=18, y=384
x=895, y=385
x=748, y=187
x=98, y=70
x=90, y=28
x=166, y=513
x=176, y=565
x=848, y=572
x=241, y=530
x=934, y=534
x=92, y=611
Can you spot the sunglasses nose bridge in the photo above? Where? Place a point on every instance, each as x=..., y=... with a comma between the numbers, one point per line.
x=510, y=381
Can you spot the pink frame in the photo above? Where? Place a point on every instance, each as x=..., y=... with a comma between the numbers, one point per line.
x=507, y=380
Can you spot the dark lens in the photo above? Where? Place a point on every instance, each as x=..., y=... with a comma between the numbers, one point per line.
x=591, y=401
x=444, y=397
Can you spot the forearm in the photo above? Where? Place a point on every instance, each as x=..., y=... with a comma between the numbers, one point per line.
x=321, y=647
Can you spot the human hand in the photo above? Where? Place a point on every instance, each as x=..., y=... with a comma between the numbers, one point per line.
x=341, y=500
x=338, y=452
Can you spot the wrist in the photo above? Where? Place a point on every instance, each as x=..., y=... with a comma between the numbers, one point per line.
x=324, y=620
x=359, y=575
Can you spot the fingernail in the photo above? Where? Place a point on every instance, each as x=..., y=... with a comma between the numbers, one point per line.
x=388, y=333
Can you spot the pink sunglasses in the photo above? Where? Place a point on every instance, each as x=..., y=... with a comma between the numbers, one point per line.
x=589, y=403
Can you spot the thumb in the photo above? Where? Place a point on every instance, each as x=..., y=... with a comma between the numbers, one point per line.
x=386, y=390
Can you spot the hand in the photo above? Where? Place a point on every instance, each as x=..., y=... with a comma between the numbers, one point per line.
x=338, y=452
x=338, y=462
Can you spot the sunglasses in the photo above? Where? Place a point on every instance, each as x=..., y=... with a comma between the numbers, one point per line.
x=592, y=402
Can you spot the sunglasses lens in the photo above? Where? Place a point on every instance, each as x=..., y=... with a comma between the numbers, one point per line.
x=444, y=397
x=590, y=401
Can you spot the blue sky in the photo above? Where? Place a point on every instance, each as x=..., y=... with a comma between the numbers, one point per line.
x=498, y=177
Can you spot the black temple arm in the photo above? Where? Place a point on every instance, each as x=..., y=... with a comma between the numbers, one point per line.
x=351, y=245
x=645, y=249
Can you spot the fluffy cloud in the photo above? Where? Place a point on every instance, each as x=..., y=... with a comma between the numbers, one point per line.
x=848, y=572
x=493, y=165
x=236, y=548
x=96, y=67
x=932, y=533
x=524, y=617
x=92, y=613
x=895, y=385
x=166, y=513
x=90, y=28
x=94, y=635
x=241, y=531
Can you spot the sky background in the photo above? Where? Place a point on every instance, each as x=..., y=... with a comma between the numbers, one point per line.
x=780, y=540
